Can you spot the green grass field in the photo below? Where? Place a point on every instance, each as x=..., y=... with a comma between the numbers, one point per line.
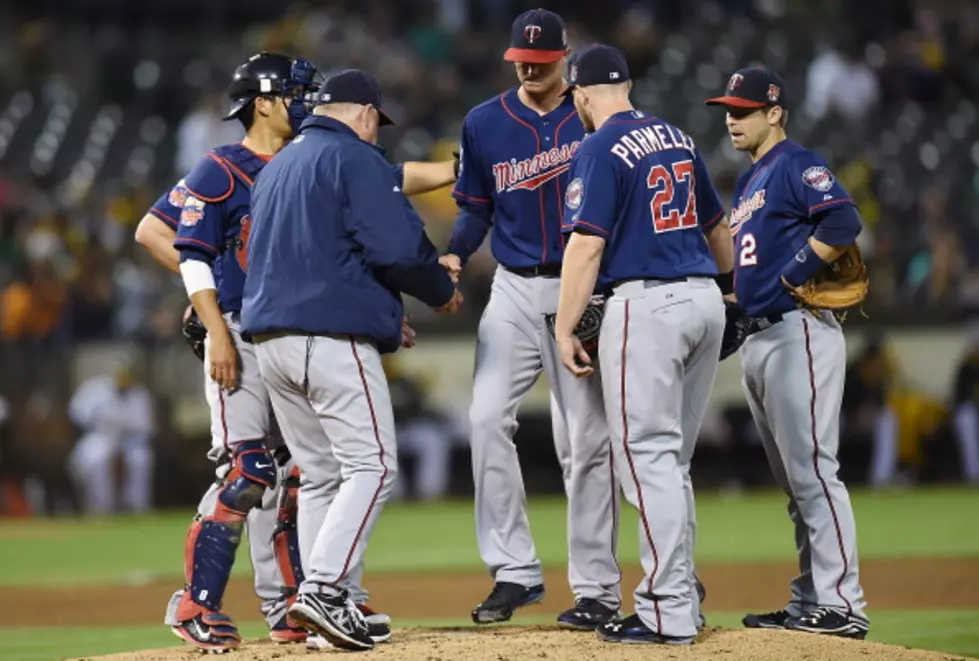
x=748, y=528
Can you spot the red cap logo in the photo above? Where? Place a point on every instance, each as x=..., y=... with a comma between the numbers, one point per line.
x=773, y=93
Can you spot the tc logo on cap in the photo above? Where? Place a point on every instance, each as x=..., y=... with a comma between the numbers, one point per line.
x=531, y=32
x=574, y=73
x=773, y=93
x=735, y=81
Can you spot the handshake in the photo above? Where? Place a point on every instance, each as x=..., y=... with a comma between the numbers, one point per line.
x=453, y=266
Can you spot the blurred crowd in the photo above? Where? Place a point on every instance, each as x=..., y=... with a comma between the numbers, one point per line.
x=104, y=105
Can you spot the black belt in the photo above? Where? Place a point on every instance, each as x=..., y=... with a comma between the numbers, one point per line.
x=758, y=324
x=541, y=270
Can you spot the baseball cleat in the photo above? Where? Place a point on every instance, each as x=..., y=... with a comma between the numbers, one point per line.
x=503, y=600
x=214, y=633
x=831, y=622
x=334, y=618
x=632, y=630
x=586, y=615
x=378, y=624
x=775, y=620
x=378, y=628
x=284, y=633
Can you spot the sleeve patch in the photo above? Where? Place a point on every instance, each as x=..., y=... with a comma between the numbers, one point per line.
x=574, y=194
x=178, y=195
x=192, y=212
x=819, y=178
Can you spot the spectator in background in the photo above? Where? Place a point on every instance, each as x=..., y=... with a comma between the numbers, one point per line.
x=202, y=130
x=966, y=407
x=421, y=432
x=115, y=414
x=839, y=83
x=866, y=408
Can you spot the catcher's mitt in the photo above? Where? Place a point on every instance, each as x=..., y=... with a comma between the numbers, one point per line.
x=839, y=286
x=588, y=326
x=194, y=331
x=736, y=328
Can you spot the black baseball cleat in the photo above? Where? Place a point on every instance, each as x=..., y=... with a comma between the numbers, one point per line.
x=503, y=600
x=632, y=630
x=335, y=618
x=586, y=615
x=831, y=622
x=774, y=620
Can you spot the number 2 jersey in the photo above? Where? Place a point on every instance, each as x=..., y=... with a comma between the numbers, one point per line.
x=210, y=211
x=640, y=183
x=778, y=203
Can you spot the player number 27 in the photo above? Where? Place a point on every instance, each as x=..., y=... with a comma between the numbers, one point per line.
x=666, y=183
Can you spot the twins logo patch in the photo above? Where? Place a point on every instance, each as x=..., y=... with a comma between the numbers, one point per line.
x=819, y=178
x=178, y=195
x=193, y=211
x=574, y=194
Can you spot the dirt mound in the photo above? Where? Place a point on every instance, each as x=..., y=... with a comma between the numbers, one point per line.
x=513, y=643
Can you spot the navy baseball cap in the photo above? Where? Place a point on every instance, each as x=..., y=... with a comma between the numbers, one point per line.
x=538, y=36
x=752, y=87
x=352, y=86
x=597, y=64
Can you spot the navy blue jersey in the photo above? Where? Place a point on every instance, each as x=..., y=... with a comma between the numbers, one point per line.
x=640, y=183
x=215, y=222
x=514, y=164
x=775, y=211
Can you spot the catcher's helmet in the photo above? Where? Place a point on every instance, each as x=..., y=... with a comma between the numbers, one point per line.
x=269, y=73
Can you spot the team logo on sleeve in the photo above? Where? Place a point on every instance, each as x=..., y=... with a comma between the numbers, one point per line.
x=178, y=195
x=192, y=212
x=574, y=194
x=819, y=178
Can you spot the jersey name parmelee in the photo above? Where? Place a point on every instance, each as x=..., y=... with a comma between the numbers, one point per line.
x=531, y=173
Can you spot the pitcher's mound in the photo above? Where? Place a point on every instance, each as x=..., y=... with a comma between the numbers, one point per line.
x=514, y=643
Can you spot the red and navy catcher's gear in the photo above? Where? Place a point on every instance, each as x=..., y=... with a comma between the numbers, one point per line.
x=213, y=539
x=273, y=74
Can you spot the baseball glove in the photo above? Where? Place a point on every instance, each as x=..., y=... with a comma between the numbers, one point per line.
x=588, y=326
x=839, y=286
x=194, y=331
x=736, y=328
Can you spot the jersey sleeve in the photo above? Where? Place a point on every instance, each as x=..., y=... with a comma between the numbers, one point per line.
x=813, y=185
x=591, y=199
x=472, y=186
x=710, y=211
x=169, y=205
x=200, y=230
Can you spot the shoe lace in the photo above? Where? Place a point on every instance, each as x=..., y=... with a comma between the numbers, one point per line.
x=817, y=614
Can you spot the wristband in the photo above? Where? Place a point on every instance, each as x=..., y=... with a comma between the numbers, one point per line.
x=805, y=265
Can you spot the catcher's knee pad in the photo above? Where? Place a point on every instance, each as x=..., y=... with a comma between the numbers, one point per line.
x=285, y=538
x=213, y=539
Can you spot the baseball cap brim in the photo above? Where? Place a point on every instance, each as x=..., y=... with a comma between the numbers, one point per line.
x=735, y=102
x=532, y=56
x=385, y=118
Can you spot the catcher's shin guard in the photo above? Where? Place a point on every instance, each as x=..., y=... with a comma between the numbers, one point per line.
x=285, y=538
x=213, y=540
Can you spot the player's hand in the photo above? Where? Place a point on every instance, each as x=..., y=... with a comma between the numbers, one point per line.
x=574, y=357
x=407, y=334
x=453, y=305
x=453, y=265
x=731, y=298
x=223, y=359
